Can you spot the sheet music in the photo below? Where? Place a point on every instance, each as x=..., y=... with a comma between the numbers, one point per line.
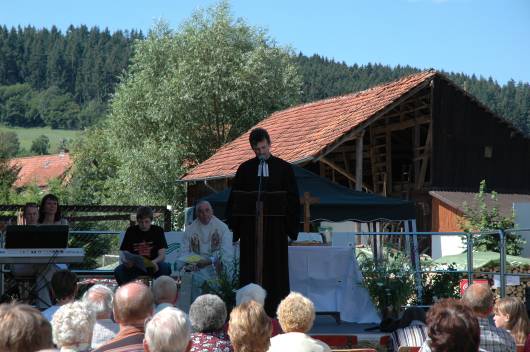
x=135, y=259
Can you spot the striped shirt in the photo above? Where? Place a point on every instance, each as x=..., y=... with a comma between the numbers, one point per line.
x=410, y=336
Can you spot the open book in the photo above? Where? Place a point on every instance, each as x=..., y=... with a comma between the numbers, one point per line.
x=138, y=261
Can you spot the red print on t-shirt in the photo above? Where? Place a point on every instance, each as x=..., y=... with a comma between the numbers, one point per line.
x=143, y=248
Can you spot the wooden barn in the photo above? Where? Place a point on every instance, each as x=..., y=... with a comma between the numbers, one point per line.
x=403, y=139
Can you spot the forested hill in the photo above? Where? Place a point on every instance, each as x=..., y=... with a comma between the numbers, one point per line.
x=61, y=80
x=64, y=80
x=325, y=78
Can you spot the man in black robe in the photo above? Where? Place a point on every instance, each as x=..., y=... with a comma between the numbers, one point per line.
x=278, y=175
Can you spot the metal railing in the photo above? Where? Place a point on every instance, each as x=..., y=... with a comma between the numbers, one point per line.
x=415, y=255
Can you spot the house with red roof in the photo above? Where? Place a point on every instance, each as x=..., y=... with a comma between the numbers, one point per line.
x=41, y=169
x=404, y=139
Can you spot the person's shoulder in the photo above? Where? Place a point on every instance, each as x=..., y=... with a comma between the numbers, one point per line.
x=219, y=223
x=247, y=163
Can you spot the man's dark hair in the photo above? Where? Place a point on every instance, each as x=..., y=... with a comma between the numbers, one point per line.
x=452, y=326
x=64, y=284
x=257, y=135
x=144, y=212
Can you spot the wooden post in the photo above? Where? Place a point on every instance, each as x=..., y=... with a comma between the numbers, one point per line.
x=359, y=162
x=306, y=201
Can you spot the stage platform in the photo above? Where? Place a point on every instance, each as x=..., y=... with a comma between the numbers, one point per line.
x=326, y=325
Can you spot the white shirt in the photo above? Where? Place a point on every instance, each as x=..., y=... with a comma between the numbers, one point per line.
x=297, y=342
x=212, y=239
x=48, y=313
x=104, y=331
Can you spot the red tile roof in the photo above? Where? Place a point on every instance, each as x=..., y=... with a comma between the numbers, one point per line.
x=40, y=169
x=304, y=131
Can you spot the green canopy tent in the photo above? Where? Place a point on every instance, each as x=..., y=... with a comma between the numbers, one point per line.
x=336, y=202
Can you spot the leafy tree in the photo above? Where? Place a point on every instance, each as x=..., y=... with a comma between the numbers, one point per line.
x=187, y=93
x=8, y=176
x=482, y=218
x=41, y=145
x=9, y=144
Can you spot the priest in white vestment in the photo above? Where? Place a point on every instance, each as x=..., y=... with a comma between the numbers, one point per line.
x=207, y=244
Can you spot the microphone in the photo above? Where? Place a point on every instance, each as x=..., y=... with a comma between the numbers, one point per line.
x=261, y=158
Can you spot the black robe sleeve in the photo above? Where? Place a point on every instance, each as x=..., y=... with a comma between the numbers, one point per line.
x=293, y=200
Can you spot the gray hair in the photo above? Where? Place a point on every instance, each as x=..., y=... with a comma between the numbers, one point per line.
x=207, y=313
x=168, y=331
x=165, y=290
x=479, y=298
x=73, y=324
x=251, y=292
x=202, y=202
x=99, y=298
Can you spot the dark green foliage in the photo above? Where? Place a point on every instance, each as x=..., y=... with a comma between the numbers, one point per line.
x=80, y=67
x=41, y=145
x=9, y=144
x=482, y=218
x=325, y=78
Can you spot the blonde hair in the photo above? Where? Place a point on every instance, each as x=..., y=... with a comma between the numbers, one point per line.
x=249, y=328
x=296, y=313
x=517, y=317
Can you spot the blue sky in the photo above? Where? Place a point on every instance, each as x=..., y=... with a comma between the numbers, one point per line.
x=485, y=37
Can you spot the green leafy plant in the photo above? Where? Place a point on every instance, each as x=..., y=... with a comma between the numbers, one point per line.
x=481, y=217
x=389, y=280
x=440, y=285
x=225, y=284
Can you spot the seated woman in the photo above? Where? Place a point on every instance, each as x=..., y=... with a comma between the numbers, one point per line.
x=42, y=272
x=207, y=317
x=452, y=326
x=510, y=314
x=50, y=211
x=256, y=293
x=72, y=327
x=296, y=314
x=249, y=328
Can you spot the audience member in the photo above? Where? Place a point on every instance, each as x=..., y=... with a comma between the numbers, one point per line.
x=133, y=304
x=510, y=314
x=23, y=329
x=249, y=328
x=452, y=326
x=43, y=273
x=99, y=298
x=50, y=211
x=296, y=314
x=411, y=330
x=168, y=331
x=64, y=289
x=73, y=325
x=479, y=298
x=256, y=293
x=145, y=240
x=207, y=243
x=207, y=316
x=165, y=292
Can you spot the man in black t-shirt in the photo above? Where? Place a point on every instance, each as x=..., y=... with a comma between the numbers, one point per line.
x=146, y=240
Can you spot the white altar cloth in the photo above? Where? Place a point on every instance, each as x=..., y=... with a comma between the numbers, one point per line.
x=330, y=277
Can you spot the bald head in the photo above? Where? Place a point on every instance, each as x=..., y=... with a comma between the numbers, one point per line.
x=133, y=303
x=479, y=298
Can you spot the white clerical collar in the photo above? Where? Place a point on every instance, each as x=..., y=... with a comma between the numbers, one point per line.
x=263, y=168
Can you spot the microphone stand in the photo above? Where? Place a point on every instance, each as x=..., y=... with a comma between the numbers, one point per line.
x=259, y=226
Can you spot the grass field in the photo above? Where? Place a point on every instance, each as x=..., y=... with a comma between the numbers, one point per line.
x=27, y=135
